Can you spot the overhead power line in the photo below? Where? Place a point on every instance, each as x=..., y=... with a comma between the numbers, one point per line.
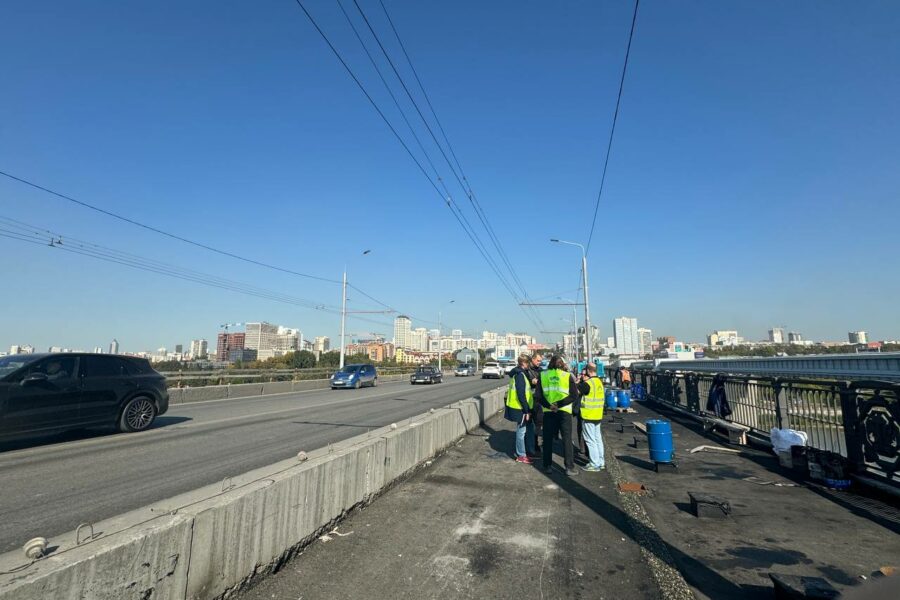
x=159, y=231
x=163, y=232
x=454, y=209
x=612, y=130
x=464, y=183
x=20, y=231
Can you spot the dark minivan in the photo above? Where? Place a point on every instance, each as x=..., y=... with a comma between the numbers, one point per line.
x=47, y=393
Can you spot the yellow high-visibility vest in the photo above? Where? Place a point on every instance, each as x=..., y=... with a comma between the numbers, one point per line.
x=592, y=403
x=555, y=383
x=512, y=396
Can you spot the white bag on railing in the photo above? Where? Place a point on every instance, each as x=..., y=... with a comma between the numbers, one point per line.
x=783, y=439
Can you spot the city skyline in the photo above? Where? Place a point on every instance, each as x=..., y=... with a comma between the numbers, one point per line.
x=147, y=145
x=334, y=341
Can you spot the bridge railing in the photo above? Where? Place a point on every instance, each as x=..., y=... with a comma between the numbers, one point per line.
x=858, y=420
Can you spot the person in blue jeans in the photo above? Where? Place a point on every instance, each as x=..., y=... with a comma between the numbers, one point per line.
x=519, y=403
x=592, y=401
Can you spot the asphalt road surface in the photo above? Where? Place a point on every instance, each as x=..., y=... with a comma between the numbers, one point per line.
x=50, y=486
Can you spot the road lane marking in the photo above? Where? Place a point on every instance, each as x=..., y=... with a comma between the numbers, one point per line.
x=111, y=439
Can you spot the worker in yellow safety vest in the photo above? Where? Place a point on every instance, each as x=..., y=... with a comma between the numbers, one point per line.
x=519, y=403
x=557, y=394
x=592, y=400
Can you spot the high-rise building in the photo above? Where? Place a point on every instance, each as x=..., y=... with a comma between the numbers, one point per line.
x=179, y=349
x=418, y=339
x=321, y=344
x=226, y=342
x=457, y=334
x=199, y=349
x=402, y=328
x=724, y=337
x=287, y=340
x=114, y=346
x=15, y=349
x=626, y=333
x=776, y=335
x=794, y=337
x=858, y=337
x=261, y=337
x=98, y=350
x=645, y=341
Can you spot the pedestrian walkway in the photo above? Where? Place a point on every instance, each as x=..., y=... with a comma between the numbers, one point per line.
x=778, y=523
x=476, y=524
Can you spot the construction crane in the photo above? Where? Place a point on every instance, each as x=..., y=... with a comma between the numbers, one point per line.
x=225, y=327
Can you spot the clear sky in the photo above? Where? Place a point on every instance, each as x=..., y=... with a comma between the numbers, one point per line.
x=753, y=182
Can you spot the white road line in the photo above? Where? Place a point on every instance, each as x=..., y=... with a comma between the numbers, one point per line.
x=77, y=444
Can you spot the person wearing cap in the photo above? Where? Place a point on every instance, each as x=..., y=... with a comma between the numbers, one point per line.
x=537, y=413
x=519, y=404
x=592, y=401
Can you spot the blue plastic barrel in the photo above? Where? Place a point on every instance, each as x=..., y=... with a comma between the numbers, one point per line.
x=659, y=436
x=637, y=390
x=610, y=399
x=623, y=398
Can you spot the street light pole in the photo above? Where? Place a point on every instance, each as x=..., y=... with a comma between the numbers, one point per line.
x=587, y=310
x=343, y=313
x=440, y=334
x=344, y=308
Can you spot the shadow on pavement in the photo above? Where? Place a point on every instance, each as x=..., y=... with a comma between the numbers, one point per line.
x=696, y=573
x=862, y=502
x=76, y=435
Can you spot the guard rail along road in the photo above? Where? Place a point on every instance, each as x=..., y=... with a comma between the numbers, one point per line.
x=856, y=422
x=209, y=542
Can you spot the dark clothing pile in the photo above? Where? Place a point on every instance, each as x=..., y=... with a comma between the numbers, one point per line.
x=717, y=403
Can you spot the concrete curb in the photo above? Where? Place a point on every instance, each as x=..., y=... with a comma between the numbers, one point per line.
x=210, y=542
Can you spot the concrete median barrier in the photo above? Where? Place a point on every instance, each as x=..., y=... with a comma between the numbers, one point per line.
x=207, y=543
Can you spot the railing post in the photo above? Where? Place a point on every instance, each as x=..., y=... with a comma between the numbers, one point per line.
x=782, y=404
x=852, y=427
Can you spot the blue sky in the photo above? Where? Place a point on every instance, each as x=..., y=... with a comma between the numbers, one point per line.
x=753, y=180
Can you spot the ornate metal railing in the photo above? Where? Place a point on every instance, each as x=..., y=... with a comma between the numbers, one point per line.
x=858, y=420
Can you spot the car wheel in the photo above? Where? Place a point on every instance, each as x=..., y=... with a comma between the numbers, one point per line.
x=137, y=415
x=357, y=385
x=375, y=382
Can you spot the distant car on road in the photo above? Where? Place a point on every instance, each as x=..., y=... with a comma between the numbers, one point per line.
x=492, y=370
x=426, y=374
x=355, y=376
x=42, y=394
x=465, y=370
x=507, y=367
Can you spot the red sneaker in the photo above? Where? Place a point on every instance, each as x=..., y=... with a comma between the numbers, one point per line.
x=524, y=460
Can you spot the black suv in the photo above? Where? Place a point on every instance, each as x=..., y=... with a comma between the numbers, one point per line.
x=426, y=375
x=47, y=393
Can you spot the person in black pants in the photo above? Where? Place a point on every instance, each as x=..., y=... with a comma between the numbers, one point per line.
x=534, y=375
x=556, y=392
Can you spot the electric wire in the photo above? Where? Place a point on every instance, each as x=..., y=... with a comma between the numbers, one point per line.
x=161, y=231
x=393, y=97
x=20, y=231
x=612, y=130
x=465, y=184
x=458, y=215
